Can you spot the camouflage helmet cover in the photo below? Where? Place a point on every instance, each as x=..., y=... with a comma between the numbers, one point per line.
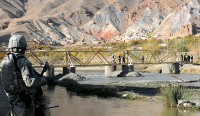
x=17, y=41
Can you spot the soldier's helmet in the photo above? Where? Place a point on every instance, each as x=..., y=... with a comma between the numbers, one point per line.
x=17, y=43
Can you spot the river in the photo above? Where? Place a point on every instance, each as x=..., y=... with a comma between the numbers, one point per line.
x=71, y=104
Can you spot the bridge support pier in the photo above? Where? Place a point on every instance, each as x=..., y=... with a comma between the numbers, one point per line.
x=176, y=68
x=110, y=69
x=67, y=70
x=130, y=67
x=50, y=71
x=170, y=68
x=72, y=69
x=127, y=68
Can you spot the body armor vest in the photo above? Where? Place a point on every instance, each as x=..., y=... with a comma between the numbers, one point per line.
x=11, y=78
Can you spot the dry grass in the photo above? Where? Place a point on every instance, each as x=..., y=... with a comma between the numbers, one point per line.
x=171, y=95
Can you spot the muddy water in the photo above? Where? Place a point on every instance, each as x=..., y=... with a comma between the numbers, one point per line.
x=73, y=105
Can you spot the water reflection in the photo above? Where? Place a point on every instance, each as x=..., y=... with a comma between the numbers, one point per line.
x=177, y=112
x=73, y=105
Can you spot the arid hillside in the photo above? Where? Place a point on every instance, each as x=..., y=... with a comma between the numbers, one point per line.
x=97, y=21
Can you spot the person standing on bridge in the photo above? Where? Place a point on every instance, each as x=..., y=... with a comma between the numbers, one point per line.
x=185, y=57
x=188, y=58
x=123, y=58
x=113, y=58
x=119, y=58
x=19, y=78
x=191, y=58
x=182, y=59
x=142, y=59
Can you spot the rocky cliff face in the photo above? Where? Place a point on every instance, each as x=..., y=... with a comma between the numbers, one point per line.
x=95, y=21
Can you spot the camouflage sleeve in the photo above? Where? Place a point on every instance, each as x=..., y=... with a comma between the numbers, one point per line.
x=28, y=74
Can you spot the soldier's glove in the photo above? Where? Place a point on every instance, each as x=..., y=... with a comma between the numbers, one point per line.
x=43, y=81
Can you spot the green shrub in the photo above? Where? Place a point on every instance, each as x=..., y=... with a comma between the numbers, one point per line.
x=171, y=95
x=181, y=47
x=151, y=44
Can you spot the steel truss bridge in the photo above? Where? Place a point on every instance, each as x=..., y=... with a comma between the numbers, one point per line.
x=65, y=58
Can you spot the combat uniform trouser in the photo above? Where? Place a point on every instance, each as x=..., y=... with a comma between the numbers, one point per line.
x=22, y=104
x=21, y=111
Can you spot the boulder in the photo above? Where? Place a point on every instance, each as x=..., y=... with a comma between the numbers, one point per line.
x=72, y=76
x=185, y=104
x=134, y=74
x=116, y=74
x=121, y=74
x=69, y=79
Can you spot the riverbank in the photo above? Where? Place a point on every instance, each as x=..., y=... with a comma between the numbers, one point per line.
x=185, y=98
x=146, y=87
x=184, y=69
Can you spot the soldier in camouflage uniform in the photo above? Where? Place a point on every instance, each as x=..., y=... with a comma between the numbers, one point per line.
x=19, y=78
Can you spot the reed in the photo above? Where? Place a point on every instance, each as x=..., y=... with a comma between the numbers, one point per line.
x=171, y=95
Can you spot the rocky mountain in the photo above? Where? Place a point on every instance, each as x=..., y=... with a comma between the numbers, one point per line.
x=97, y=21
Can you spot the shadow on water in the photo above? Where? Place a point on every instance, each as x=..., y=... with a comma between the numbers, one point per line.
x=149, y=91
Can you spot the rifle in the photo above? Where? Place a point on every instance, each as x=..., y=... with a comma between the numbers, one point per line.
x=49, y=107
x=46, y=66
x=44, y=69
x=39, y=93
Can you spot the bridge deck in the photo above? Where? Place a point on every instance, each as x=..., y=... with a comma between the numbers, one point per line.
x=80, y=58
